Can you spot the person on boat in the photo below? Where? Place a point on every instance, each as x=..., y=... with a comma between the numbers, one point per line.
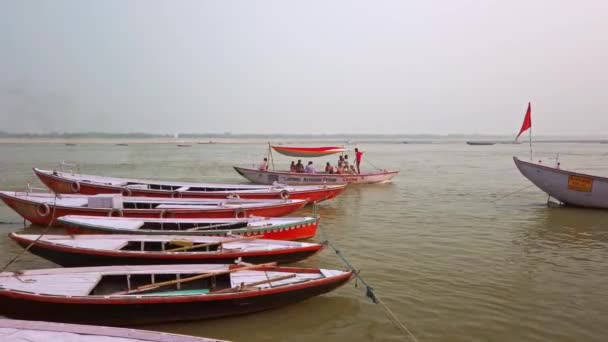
x=358, y=157
x=263, y=165
x=310, y=168
x=352, y=170
x=340, y=162
x=300, y=166
x=329, y=169
x=292, y=167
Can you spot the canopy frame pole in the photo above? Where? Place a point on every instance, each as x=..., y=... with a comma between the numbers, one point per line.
x=270, y=157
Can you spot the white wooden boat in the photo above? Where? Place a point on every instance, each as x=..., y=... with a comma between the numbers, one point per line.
x=276, y=228
x=318, y=178
x=104, y=250
x=13, y=330
x=291, y=178
x=127, y=295
x=568, y=187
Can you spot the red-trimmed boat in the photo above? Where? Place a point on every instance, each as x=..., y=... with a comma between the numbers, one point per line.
x=45, y=208
x=69, y=183
x=119, y=295
x=274, y=228
x=293, y=178
x=106, y=250
x=14, y=330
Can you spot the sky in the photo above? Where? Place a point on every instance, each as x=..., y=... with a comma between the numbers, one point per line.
x=322, y=67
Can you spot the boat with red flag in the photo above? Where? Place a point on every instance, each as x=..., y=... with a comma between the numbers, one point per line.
x=76, y=183
x=343, y=175
x=276, y=228
x=148, y=294
x=106, y=250
x=45, y=208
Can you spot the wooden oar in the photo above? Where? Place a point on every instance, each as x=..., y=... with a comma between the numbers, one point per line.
x=261, y=282
x=196, y=277
x=213, y=226
x=185, y=248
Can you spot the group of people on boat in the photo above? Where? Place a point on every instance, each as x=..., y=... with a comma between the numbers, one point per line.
x=343, y=167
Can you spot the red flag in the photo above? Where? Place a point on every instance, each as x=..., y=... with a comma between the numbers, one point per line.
x=527, y=121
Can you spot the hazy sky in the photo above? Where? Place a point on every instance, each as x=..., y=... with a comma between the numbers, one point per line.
x=304, y=66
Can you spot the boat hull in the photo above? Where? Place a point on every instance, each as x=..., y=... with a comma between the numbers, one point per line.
x=269, y=177
x=64, y=185
x=30, y=211
x=296, y=231
x=77, y=257
x=133, y=311
x=570, y=188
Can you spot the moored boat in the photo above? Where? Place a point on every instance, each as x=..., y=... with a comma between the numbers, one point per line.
x=69, y=183
x=36, y=331
x=45, y=208
x=264, y=176
x=120, y=295
x=106, y=250
x=292, y=178
x=276, y=228
x=568, y=187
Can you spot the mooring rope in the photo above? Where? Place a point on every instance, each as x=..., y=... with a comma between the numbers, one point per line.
x=512, y=193
x=34, y=242
x=370, y=163
x=369, y=291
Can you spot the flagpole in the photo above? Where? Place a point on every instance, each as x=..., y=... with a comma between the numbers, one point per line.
x=530, y=142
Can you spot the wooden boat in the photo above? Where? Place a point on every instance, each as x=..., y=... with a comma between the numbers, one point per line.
x=276, y=228
x=66, y=183
x=106, y=250
x=14, y=330
x=571, y=188
x=122, y=144
x=45, y=208
x=121, y=295
x=183, y=145
x=286, y=177
x=481, y=143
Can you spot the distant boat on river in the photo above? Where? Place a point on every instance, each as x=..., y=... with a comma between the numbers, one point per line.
x=480, y=143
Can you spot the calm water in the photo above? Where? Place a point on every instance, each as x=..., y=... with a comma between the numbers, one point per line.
x=452, y=263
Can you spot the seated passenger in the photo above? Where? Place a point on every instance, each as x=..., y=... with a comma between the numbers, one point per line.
x=300, y=166
x=329, y=169
x=310, y=168
x=292, y=167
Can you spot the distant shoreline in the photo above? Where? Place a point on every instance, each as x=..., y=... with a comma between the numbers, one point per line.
x=264, y=141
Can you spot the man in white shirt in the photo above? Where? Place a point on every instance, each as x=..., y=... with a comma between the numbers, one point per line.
x=310, y=168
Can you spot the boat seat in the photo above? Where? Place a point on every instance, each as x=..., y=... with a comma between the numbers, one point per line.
x=178, y=293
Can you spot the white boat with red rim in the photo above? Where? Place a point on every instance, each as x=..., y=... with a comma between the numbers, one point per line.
x=14, y=330
x=275, y=228
x=258, y=176
x=107, y=250
x=76, y=183
x=149, y=294
x=46, y=208
x=568, y=187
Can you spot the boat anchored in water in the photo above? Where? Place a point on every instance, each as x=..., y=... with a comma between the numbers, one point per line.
x=275, y=228
x=69, y=183
x=45, y=208
x=106, y=250
x=121, y=295
x=568, y=187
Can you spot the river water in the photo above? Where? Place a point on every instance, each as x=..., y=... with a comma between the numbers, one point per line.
x=440, y=245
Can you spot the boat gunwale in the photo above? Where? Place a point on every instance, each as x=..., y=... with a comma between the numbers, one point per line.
x=344, y=276
x=519, y=162
x=387, y=172
x=55, y=246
